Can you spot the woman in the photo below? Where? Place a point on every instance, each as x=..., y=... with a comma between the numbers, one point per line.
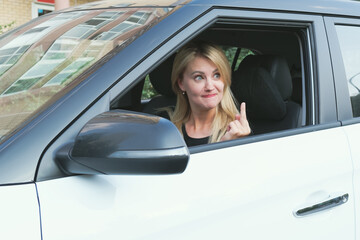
x=205, y=111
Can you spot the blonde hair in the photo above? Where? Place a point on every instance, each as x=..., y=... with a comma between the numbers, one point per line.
x=226, y=109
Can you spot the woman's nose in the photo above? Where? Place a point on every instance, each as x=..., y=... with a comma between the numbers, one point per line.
x=209, y=84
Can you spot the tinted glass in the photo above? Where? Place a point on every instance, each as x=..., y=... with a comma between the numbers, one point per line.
x=349, y=38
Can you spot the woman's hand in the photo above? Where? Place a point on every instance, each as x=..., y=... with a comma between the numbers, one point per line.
x=239, y=127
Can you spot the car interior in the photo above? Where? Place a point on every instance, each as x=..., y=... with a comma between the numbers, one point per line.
x=267, y=73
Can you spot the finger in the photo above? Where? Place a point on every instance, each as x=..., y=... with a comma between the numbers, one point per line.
x=242, y=129
x=243, y=118
x=238, y=124
x=237, y=130
x=243, y=110
x=232, y=127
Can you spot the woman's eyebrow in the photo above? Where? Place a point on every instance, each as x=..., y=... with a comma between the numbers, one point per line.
x=200, y=72
x=197, y=72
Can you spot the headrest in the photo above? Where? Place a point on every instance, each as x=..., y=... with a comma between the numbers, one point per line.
x=256, y=87
x=160, y=77
x=278, y=69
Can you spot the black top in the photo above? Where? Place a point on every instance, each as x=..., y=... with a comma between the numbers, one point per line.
x=193, y=141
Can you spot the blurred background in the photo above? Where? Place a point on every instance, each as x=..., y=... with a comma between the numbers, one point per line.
x=14, y=13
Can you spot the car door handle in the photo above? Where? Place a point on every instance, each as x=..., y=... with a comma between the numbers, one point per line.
x=324, y=205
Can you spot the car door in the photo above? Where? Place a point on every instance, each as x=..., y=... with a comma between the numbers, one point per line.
x=343, y=35
x=292, y=184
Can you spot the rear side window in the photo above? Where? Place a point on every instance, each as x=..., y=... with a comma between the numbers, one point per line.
x=349, y=39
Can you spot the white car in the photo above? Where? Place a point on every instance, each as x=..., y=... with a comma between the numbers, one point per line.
x=84, y=154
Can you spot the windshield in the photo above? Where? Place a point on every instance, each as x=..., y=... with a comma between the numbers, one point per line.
x=40, y=59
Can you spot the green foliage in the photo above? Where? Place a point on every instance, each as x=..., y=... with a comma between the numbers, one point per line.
x=230, y=54
x=148, y=90
x=6, y=27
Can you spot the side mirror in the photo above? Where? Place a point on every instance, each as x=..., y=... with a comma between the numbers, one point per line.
x=123, y=142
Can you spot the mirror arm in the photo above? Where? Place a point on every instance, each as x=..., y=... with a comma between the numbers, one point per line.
x=69, y=165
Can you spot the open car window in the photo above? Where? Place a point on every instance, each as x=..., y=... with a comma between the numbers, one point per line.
x=269, y=73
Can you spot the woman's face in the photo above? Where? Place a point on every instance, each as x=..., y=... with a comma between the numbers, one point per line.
x=203, y=84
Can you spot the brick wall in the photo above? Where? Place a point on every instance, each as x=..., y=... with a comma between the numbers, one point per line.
x=15, y=10
x=78, y=2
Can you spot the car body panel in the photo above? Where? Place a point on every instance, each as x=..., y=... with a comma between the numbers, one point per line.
x=236, y=192
x=353, y=136
x=20, y=211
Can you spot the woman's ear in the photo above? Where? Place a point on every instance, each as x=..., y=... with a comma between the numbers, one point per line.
x=180, y=84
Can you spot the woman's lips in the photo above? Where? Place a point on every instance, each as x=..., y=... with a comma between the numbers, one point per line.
x=209, y=95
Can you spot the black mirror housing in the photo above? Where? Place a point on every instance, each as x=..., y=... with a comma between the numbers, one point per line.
x=123, y=142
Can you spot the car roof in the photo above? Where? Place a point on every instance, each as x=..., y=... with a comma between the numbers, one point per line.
x=333, y=7
x=328, y=7
x=131, y=3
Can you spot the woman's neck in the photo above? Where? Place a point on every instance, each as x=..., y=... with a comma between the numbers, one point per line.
x=200, y=124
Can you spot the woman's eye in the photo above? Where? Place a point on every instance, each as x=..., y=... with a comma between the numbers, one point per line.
x=217, y=75
x=198, y=77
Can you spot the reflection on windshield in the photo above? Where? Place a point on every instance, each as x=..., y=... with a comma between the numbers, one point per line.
x=42, y=60
x=12, y=51
x=61, y=50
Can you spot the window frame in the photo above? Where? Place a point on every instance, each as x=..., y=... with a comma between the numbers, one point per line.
x=35, y=6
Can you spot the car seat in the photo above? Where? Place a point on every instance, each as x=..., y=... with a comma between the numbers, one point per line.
x=160, y=78
x=264, y=83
